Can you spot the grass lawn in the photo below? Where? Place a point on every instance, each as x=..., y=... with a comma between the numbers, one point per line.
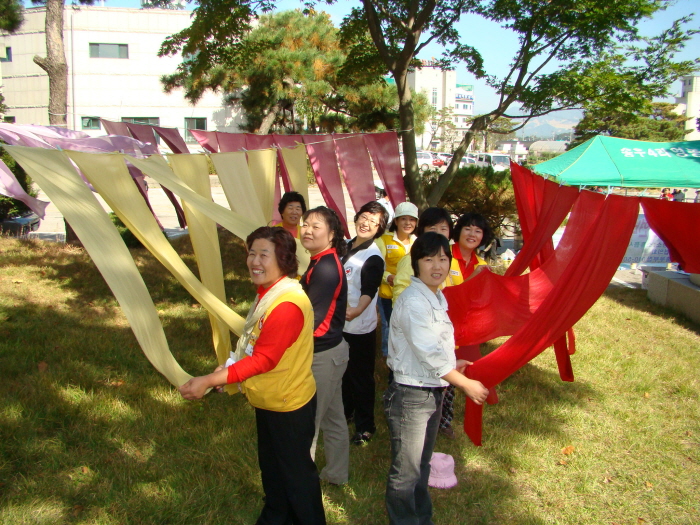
x=91, y=433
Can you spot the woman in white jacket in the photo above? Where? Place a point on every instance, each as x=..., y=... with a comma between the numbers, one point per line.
x=422, y=358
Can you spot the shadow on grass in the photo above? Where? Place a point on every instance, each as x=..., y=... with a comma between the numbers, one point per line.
x=72, y=269
x=638, y=300
x=94, y=434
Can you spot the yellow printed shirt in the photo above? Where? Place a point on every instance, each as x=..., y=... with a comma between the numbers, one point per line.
x=393, y=251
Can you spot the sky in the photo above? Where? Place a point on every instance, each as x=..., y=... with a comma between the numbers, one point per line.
x=496, y=44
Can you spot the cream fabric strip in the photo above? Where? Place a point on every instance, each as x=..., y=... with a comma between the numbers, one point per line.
x=263, y=170
x=237, y=184
x=108, y=174
x=194, y=171
x=57, y=177
x=296, y=162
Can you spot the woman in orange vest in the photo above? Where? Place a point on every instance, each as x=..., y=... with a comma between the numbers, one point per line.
x=272, y=366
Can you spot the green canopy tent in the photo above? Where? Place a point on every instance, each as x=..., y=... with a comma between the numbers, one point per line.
x=609, y=161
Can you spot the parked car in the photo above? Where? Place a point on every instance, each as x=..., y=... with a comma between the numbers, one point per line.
x=499, y=162
x=446, y=157
x=424, y=159
x=21, y=225
x=437, y=161
x=466, y=161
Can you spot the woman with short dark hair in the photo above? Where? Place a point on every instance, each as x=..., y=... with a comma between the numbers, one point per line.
x=272, y=366
x=364, y=267
x=291, y=208
x=422, y=358
x=325, y=283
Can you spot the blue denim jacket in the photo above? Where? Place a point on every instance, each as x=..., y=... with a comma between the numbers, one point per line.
x=421, y=337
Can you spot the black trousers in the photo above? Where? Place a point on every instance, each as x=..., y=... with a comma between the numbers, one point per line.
x=289, y=475
x=358, y=381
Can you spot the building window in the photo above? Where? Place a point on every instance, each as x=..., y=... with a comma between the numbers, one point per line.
x=456, y=106
x=109, y=50
x=434, y=97
x=149, y=121
x=194, y=123
x=91, y=123
x=8, y=119
x=8, y=55
x=465, y=106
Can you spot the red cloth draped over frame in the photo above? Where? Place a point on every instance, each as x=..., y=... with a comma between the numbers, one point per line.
x=355, y=167
x=598, y=248
x=677, y=224
x=384, y=150
x=321, y=152
x=172, y=138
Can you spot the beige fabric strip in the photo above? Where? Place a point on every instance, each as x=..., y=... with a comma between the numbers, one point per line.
x=194, y=171
x=57, y=177
x=296, y=162
x=237, y=184
x=263, y=170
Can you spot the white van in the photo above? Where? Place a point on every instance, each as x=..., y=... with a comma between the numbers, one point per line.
x=498, y=161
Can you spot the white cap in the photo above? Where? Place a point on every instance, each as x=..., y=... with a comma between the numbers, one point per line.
x=406, y=208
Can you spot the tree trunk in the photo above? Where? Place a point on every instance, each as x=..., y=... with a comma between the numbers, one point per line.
x=412, y=178
x=55, y=64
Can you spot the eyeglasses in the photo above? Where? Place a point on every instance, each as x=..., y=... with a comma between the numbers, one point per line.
x=367, y=219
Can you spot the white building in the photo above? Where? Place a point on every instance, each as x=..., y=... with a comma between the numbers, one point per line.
x=464, y=108
x=689, y=105
x=113, y=72
x=439, y=87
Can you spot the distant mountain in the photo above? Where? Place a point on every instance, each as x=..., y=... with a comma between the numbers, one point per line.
x=556, y=126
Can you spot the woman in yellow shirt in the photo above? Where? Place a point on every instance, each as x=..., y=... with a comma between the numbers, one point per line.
x=394, y=245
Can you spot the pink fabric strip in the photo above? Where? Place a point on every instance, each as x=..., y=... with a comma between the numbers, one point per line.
x=10, y=187
x=145, y=134
x=324, y=164
x=384, y=149
x=230, y=141
x=356, y=168
x=115, y=128
x=172, y=138
x=207, y=139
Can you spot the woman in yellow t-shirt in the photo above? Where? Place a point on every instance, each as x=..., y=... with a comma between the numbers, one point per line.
x=394, y=245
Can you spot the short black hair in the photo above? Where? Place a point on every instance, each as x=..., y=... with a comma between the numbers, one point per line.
x=375, y=207
x=428, y=245
x=291, y=196
x=285, y=247
x=473, y=219
x=330, y=217
x=431, y=217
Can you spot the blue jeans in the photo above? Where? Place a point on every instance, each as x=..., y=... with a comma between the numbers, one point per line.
x=413, y=416
x=385, y=309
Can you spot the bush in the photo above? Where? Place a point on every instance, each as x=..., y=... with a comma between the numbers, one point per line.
x=485, y=191
x=10, y=207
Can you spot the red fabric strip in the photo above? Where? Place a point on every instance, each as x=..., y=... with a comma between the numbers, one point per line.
x=172, y=138
x=145, y=134
x=230, y=141
x=384, y=150
x=324, y=164
x=678, y=225
x=207, y=139
x=115, y=128
x=356, y=168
